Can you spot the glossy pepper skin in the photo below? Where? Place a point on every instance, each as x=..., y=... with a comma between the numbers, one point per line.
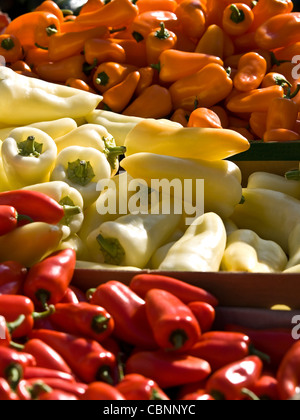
x=8, y=219
x=86, y=357
x=237, y=19
x=204, y=313
x=13, y=363
x=227, y=383
x=47, y=281
x=97, y=391
x=142, y=283
x=173, y=323
x=128, y=311
x=137, y=387
x=251, y=71
x=157, y=41
x=83, y=318
x=11, y=48
x=6, y=393
x=288, y=373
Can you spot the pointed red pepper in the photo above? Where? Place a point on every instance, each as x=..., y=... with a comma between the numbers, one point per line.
x=288, y=374
x=97, y=391
x=13, y=363
x=12, y=277
x=6, y=393
x=204, y=313
x=48, y=280
x=137, y=387
x=142, y=283
x=173, y=324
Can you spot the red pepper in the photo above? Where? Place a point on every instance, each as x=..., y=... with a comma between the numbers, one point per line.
x=274, y=342
x=12, y=307
x=137, y=387
x=142, y=283
x=28, y=389
x=288, y=374
x=83, y=318
x=69, y=297
x=8, y=219
x=13, y=363
x=266, y=388
x=37, y=206
x=128, y=311
x=6, y=393
x=173, y=323
x=57, y=395
x=79, y=293
x=102, y=391
x=200, y=395
x=35, y=372
x=228, y=383
x=45, y=356
x=12, y=277
x=204, y=313
x=5, y=337
x=48, y=280
x=87, y=358
x=168, y=369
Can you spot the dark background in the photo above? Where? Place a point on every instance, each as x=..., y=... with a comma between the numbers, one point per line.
x=16, y=7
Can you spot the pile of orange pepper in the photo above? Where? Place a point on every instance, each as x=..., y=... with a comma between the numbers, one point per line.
x=207, y=63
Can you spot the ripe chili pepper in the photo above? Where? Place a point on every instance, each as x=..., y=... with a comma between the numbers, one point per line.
x=92, y=321
x=30, y=389
x=87, y=358
x=146, y=22
x=257, y=100
x=289, y=52
x=128, y=311
x=204, y=313
x=209, y=86
x=222, y=114
x=181, y=116
x=280, y=135
x=79, y=84
x=97, y=50
x=45, y=356
x=137, y=387
x=35, y=56
x=102, y=391
x=279, y=31
x=13, y=363
x=12, y=276
x=266, y=388
x=8, y=219
x=118, y=97
x=6, y=393
x=37, y=206
x=24, y=27
x=11, y=48
x=273, y=342
x=258, y=123
x=61, y=71
x=237, y=19
x=135, y=51
x=273, y=78
x=157, y=41
x=146, y=79
x=51, y=7
x=81, y=297
x=69, y=297
x=152, y=5
x=212, y=42
x=68, y=44
x=204, y=117
x=90, y=6
x=252, y=68
x=36, y=372
x=110, y=74
x=113, y=14
x=288, y=374
x=191, y=18
x=20, y=66
x=227, y=383
x=173, y=323
x=199, y=395
x=48, y=280
x=14, y=306
x=168, y=369
x=57, y=395
x=154, y=102
x=142, y=283
x=265, y=9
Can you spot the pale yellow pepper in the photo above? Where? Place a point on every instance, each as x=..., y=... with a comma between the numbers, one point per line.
x=274, y=182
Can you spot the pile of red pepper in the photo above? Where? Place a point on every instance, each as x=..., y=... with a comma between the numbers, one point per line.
x=150, y=340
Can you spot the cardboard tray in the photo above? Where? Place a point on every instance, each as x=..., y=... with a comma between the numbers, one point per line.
x=231, y=289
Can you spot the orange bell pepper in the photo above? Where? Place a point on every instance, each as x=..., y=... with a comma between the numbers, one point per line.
x=135, y=51
x=258, y=123
x=26, y=26
x=212, y=42
x=11, y=48
x=91, y=6
x=154, y=102
x=237, y=19
x=60, y=71
x=281, y=135
x=146, y=79
x=109, y=74
x=174, y=64
x=222, y=114
x=146, y=22
x=255, y=100
x=273, y=78
x=181, y=116
x=204, y=117
x=51, y=7
x=215, y=10
x=153, y=5
x=113, y=14
x=191, y=18
x=79, y=84
x=118, y=97
x=251, y=70
x=265, y=9
x=158, y=41
x=35, y=56
x=279, y=31
x=66, y=44
x=208, y=87
x=97, y=50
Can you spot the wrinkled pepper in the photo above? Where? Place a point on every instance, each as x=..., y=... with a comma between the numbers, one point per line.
x=252, y=68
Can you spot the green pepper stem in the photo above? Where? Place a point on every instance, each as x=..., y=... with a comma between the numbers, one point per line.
x=12, y=326
x=51, y=30
x=162, y=33
x=30, y=147
x=281, y=81
x=80, y=172
x=293, y=175
x=100, y=323
x=155, y=395
x=72, y=210
x=102, y=79
x=290, y=95
x=13, y=374
x=37, y=388
x=250, y=394
x=178, y=338
x=137, y=36
x=7, y=44
x=156, y=66
x=104, y=374
x=41, y=315
x=237, y=15
x=89, y=293
x=112, y=250
x=263, y=356
x=43, y=296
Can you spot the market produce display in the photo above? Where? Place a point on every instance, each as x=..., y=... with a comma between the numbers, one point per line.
x=119, y=128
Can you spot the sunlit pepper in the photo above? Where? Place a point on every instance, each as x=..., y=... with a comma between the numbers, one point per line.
x=158, y=41
x=11, y=48
x=146, y=22
x=212, y=42
x=97, y=50
x=251, y=70
x=109, y=74
x=205, y=118
x=265, y=9
x=237, y=19
x=191, y=17
x=257, y=100
x=60, y=71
